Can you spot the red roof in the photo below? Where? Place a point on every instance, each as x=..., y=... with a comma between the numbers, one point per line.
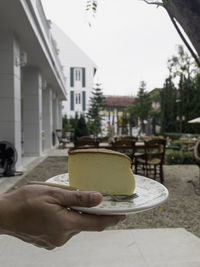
x=119, y=101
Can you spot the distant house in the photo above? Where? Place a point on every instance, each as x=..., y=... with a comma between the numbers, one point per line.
x=32, y=83
x=80, y=71
x=114, y=112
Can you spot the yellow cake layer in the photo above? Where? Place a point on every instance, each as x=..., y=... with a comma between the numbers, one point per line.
x=101, y=170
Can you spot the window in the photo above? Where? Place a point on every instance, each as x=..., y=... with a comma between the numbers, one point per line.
x=78, y=98
x=77, y=74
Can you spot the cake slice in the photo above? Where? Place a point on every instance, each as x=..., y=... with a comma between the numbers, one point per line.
x=101, y=170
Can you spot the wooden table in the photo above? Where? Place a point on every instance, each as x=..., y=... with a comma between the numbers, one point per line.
x=187, y=144
x=139, y=145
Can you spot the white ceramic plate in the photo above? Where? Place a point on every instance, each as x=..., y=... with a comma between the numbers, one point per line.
x=150, y=194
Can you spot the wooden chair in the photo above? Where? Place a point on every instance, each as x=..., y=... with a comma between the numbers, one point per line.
x=197, y=155
x=125, y=137
x=86, y=142
x=61, y=140
x=125, y=146
x=197, y=160
x=152, y=161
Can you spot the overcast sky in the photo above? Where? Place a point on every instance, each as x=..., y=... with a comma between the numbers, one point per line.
x=129, y=40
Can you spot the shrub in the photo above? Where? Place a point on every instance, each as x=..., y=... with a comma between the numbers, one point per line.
x=176, y=143
x=81, y=129
x=188, y=158
x=173, y=136
x=179, y=157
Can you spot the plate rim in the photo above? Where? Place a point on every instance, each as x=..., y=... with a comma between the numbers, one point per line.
x=104, y=211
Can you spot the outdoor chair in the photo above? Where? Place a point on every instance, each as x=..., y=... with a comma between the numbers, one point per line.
x=86, y=142
x=86, y=138
x=126, y=137
x=151, y=163
x=125, y=146
x=61, y=140
x=197, y=155
x=197, y=160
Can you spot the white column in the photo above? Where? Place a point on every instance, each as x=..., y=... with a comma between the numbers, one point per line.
x=60, y=114
x=55, y=113
x=47, y=120
x=10, y=92
x=32, y=111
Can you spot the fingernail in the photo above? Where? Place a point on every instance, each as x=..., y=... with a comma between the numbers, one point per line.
x=95, y=197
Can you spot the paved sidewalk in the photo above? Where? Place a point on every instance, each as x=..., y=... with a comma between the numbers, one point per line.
x=29, y=163
x=167, y=247
x=118, y=248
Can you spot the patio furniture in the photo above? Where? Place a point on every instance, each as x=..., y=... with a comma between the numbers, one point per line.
x=125, y=146
x=85, y=143
x=197, y=160
x=151, y=163
x=62, y=140
x=125, y=137
x=187, y=144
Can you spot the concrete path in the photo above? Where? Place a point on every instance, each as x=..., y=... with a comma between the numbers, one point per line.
x=29, y=163
x=119, y=248
x=126, y=248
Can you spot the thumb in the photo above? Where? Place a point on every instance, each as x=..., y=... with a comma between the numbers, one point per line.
x=79, y=198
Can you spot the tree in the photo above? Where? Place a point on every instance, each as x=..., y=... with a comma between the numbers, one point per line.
x=186, y=13
x=182, y=64
x=182, y=67
x=168, y=106
x=94, y=113
x=142, y=107
x=81, y=128
x=155, y=112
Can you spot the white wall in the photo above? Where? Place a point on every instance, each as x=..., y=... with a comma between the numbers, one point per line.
x=72, y=56
x=10, y=92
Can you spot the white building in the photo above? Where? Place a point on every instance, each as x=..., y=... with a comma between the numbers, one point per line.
x=79, y=68
x=32, y=84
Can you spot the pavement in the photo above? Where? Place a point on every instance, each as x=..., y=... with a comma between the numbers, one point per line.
x=28, y=164
x=166, y=247
x=114, y=248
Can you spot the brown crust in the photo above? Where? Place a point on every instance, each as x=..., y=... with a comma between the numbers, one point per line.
x=98, y=150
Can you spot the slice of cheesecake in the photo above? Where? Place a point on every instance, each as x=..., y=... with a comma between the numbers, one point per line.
x=101, y=170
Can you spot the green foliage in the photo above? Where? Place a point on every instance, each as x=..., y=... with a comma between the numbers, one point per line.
x=168, y=106
x=176, y=143
x=67, y=126
x=94, y=113
x=91, y=5
x=91, y=9
x=173, y=135
x=141, y=109
x=179, y=157
x=125, y=124
x=180, y=103
x=81, y=128
x=182, y=64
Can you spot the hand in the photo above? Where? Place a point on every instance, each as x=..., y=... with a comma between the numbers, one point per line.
x=41, y=215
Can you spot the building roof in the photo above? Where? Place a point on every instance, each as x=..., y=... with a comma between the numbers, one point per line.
x=119, y=101
x=69, y=52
